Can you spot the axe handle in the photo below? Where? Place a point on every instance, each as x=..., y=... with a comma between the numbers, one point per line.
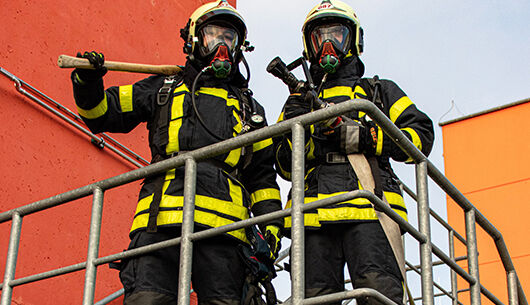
x=65, y=61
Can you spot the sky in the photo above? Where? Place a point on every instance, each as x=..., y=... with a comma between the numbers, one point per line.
x=452, y=58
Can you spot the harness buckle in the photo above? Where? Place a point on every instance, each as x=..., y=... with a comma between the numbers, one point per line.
x=336, y=158
x=165, y=91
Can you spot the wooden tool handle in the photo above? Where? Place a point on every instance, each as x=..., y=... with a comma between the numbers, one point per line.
x=65, y=61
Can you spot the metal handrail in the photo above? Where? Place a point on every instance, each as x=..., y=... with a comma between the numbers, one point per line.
x=76, y=121
x=423, y=169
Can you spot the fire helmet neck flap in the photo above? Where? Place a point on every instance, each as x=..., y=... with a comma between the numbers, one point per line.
x=331, y=32
x=214, y=35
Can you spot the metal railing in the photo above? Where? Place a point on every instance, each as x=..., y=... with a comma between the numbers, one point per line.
x=424, y=170
x=102, y=141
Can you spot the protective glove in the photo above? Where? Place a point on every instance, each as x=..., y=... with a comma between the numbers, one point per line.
x=273, y=237
x=88, y=75
x=296, y=105
x=358, y=138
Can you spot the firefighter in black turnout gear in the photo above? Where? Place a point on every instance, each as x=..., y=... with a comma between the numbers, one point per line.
x=209, y=102
x=348, y=232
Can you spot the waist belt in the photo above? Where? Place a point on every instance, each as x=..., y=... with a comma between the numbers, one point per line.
x=328, y=158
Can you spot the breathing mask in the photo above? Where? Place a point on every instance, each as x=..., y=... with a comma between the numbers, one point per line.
x=330, y=43
x=218, y=45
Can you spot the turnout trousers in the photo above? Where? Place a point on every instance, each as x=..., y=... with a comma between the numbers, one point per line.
x=218, y=272
x=364, y=248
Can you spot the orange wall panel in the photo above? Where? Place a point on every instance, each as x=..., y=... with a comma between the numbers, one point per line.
x=487, y=159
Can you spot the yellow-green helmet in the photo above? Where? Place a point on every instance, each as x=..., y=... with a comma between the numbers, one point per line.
x=219, y=11
x=332, y=12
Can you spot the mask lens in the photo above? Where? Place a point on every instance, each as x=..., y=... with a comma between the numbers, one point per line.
x=213, y=35
x=337, y=34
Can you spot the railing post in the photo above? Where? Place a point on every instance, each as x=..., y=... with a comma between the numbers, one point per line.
x=472, y=256
x=186, y=244
x=297, y=230
x=11, y=263
x=93, y=247
x=454, y=283
x=425, y=229
x=513, y=297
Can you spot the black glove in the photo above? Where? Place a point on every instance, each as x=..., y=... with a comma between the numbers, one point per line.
x=296, y=105
x=358, y=138
x=88, y=75
x=273, y=237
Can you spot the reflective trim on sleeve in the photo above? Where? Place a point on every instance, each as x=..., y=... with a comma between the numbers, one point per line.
x=379, y=146
x=284, y=173
x=398, y=107
x=95, y=112
x=414, y=135
x=265, y=194
x=126, y=98
x=415, y=140
x=261, y=145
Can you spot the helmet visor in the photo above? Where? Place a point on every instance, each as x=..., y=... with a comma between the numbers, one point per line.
x=337, y=34
x=213, y=35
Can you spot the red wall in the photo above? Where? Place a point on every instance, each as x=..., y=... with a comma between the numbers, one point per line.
x=42, y=156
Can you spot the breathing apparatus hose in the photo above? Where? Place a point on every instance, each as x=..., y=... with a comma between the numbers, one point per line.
x=194, y=104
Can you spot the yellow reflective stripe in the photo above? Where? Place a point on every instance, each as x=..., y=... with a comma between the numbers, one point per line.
x=95, y=112
x=379, y=146
x=346, y=213
x=261, y=145
x=233, y=102
x=233, y=209
x=177, y=112
x=280, y=118
x=339, y=212
x=236, y=193
x=175, y=217
x=310, y=220
x=337, y=91
x=265, y=194
x=415, y=137
x=222, y=93
x=398, y=107
x=239, y=126
x=285, y=173
x=233, y=157
x=126, y=98
x=358, y=90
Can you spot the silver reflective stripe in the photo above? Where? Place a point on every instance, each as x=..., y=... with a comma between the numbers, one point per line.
x=350, y=138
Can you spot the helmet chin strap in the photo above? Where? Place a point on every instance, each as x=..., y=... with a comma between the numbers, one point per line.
x=329, y=60
x=221, y=63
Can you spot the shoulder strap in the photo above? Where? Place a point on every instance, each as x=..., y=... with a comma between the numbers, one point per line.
x=160, y=122
x=373, y=85
x=162, y=112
